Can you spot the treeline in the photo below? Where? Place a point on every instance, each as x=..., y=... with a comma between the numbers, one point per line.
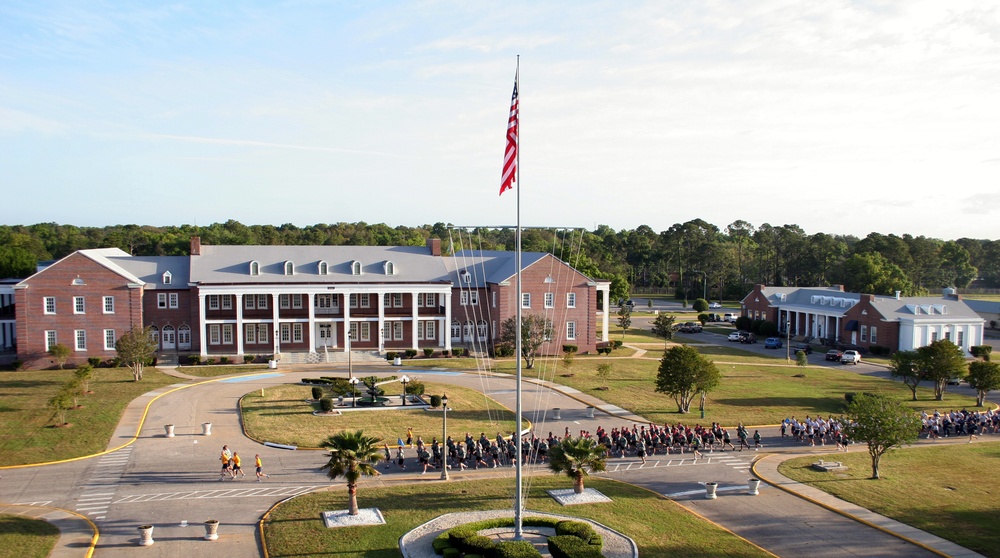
x=682, y=257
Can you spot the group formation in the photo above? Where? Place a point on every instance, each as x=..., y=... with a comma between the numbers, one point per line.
x=959, y=423
x=232, y=465
x=816, y=431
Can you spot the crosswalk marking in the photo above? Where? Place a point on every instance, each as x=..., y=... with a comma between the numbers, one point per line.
x=210, y=494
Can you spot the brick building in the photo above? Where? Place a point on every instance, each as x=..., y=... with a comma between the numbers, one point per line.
x=302, y=302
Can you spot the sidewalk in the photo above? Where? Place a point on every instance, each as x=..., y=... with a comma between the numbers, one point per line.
x=76, y=534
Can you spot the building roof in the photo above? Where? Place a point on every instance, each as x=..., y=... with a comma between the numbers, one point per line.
x=832, y=299
x=151, y=269
x=490, y=267
x=924, y=308
x=231, y=264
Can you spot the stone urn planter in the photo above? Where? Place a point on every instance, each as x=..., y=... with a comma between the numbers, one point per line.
x=145, y=535
x=212, y=530
x=170, y=430
x=710, y=488
x=754, y=485
x=590, y=412
x=206, y=429
x=557, y=414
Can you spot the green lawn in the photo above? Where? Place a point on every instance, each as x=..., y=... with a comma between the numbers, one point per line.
x=27, y=431
x=24, y=537
x=205, y=371
x=285, y=417
x=945, y=490
x=659, y=526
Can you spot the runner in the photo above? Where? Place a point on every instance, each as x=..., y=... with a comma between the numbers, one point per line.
x=227, y=467
x=260, y=467
x=236, y=466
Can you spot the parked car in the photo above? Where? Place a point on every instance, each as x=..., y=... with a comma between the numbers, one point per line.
x=714, y=318
x=715, y=305
x=690, y=327
x=747, y=337
x=772, y=343
x=850, y=357
x=954, y=381
x=731, y=318
x=736, y=336
x=804, y=347
x=834, y=355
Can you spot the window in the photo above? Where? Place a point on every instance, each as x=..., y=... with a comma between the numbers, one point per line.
x=463, y=298
x=50, y=339
x=474, y=298
x=155, y=334
x=525, y=300
x=248, y=302
x=494, y=330
x=365, y=331
x=467, y=330
x=354, y=332
x=390, y=269
x=296, y=301
x=323, y=301
x=947, y=335
x=296, y=333
x=933, y=336
x=570, y=300
x=227, y=334
x=174, y=298
x=550, y=300
x=109, y=305
x=250, y=334
x=254, y=268
x=959, y=337
x=184, y=337
x=213, y=334
x=873, y=335
x=284, y=301
x=81, y=339
x=363, y=300
x=262, y=302
x=227, y=302
x=213, y=302
x=353, y=300
x=456, y=329
x=323, y=268
x=397, y=300
x=109, y=340
x=481, y=330
x=494, y=299
x=50, y=304
x=167, y=277
x=430, y=300
x=430, y=328
x=355, y=268
x=286, y=333
x=397, y=331
x=161, y=300
x=864, y=333
x=262, y=330
x=78, y=306
x=289, y=268
x=570, y=330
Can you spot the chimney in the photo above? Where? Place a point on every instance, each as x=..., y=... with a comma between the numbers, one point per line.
x=195, y=245
x=434, y=245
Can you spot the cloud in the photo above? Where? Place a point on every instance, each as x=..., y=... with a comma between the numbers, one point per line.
x=980, y=204
x=15, y=121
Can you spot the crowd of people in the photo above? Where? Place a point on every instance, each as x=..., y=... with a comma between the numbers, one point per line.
x=959, y=423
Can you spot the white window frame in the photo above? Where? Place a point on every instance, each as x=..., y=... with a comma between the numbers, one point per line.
x=397, y=300
x=474, y=298
x=213, y=302
x=254, y=268
x=289, y=268
x=227, y=302
x=570, y=300
x=109, y=305
x=323, y=301
x=397, y=331
x=249, y=302
x=167, y=277
x=174, y=300
x=284, y=301
x=525, y=300
x=356, y=268
x=263, y=331
x=297, y=333
x=262, y=303
x=79, y=305
x=214, y=334
x=49, y=305
x=80, y=339
x=285, y=332
x=864, y=333
x=352, y=331
x=463, y=298
x=873, y=335
x=456, y=329
x=352, y=300
x=324, y=268
x=481, y=330
x=550, y=300
x=184, y=336
x=366, y=331
x=161, y=300
x=227, y=334
x=51, y=339
x=109, y=340
x=494, y=293
x=960, y=338
x=297, y=301
x=390, y=268
x=430, y=330
x=364, y=300
x=250, y=334
x=570, y=331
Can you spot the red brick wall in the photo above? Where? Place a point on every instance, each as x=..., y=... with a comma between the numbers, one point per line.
x=57, y=281
x=865, y=313
x=757, y=301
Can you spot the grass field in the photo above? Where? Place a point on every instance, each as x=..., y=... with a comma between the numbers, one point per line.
x=27, y=434
x=285, y=417
x=945, y=490
x=204, y=371
x=660, y=527
x=23, y=537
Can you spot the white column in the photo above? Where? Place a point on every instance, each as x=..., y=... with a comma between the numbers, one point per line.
x=312, y=321
x=203, y=342
x=605, y=299
x=381, y=322
x=447, y=321
x=239, y=325
x=416, y=320
x=275, y=323
x=346, y=304
x=836, y=334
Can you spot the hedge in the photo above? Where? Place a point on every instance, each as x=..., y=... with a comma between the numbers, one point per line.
x=568, y=546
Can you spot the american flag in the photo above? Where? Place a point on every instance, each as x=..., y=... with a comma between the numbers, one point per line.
x=510, y=153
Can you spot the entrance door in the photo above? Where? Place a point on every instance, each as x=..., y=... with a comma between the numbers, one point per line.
x=168, y=337
x=324, y=335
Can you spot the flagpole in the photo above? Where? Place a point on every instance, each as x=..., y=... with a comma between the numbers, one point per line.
x=518, y=496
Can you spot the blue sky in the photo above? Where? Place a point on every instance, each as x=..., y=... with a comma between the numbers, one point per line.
x=840, y=117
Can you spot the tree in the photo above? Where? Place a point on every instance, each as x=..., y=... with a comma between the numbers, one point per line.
x=873, y=273
x=577, y=457
x=135, y=348
x=683, y=374
x=699, y=305
x=352, y=455
x=663, y=326
x=60, y=353
x=882, y=423
x=85, y=374
x=984, y=376
x=60, y=403
x=535, y=330
x=624, y=319
x=604, y=373
x=905, y=365
x=941, y=361
x=981, y=351
x=801, y=359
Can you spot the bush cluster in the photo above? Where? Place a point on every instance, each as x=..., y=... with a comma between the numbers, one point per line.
x=585, y=541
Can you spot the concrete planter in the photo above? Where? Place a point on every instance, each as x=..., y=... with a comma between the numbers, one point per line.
x=212, y=530
x=710, y=488
x=145, y=535
x=206, y=429
x=557, y=414
x=170, y=430
x=398, y=361
x=754, y=487
x=590, y=412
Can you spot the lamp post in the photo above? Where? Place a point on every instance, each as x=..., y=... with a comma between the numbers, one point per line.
x=444, y=436
x=354, y=391
x=404, y=380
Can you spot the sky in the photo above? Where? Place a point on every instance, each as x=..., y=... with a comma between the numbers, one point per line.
x=840, y=117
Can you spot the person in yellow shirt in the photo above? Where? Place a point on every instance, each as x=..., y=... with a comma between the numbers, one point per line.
x=226, y=465
x=236, y=466
x=260, y=470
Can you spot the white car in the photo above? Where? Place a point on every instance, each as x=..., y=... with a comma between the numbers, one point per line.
x=735, y=336
x=850, y=357
x=715, y=305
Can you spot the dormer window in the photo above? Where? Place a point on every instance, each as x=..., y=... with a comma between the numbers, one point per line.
x=323, y=268
x=355, y=268
x=289, y=268
x=166, y=277
x=466, y=277
x=254, y=268
x=390, y=268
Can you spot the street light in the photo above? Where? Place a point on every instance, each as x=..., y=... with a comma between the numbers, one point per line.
x=404, y=380
x=354, y=391
x=444, y=436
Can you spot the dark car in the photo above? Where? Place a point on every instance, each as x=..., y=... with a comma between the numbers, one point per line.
x=834, y=355
x=804, y=347
x=690, y=327
x=748, y=337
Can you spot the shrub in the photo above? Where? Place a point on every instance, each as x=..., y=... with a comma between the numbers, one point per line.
x=17, y=365
x=435, y=401
x=317, y=392
x=209, y=361
x=223, y=360
x=391, y=355
x=743, y=323
x=801, y=359
x=458, y=351
x=849, y=397
x=94, y=362
x=194, y=360
x=326, y=404
x=580, y=530
x=415, y=388
x=247, y=359
x=428, y=352
x=444, y=353
x=477, y=544
x=699, y=305
x=703, y=318
x=515, y=549
x=451, y=552
x=617, y=343
x=604, y=351
x=568, y=546
x=504, y=350
x=441, y=543
x=570, y=349
x=410, y=353
x=60, y=353
x=981, y=351
x=457, y=535
x=767, y=329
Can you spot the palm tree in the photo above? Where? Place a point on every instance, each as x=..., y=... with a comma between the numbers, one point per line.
x=352, y=454
x=575, y=457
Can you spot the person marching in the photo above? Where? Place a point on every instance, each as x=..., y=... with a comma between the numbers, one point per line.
x=260, y=468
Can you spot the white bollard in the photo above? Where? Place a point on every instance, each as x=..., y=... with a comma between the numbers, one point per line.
x=170, y=430
x=710, y=488
x=754, y=485
x=206, y=429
